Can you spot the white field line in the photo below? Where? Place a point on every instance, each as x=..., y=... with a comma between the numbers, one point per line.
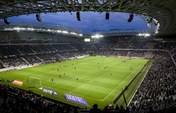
x=82, y=95
x=75, y=94
x=118, y=85
x=4, y=75
x=85, y=96
x=71, y=92
x=50, y=86
x=139, y=86
x=34, y=78
x=91, y=97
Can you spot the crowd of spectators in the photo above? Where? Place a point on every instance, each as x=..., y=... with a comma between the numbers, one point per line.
x=1, y=66
x=14, y=100
x=8, y=50
x=170, y=46
x=32, y=59
x=13, y=62
x=165, y=45
x=18, y=55
x=126, y=53
x=158, y=89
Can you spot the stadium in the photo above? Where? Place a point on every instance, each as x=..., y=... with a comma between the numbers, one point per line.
x=87, y=56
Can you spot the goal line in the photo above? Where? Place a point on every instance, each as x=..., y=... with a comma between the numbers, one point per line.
x=35, y=80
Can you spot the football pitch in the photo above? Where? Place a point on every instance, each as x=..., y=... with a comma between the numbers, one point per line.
x=96, y=79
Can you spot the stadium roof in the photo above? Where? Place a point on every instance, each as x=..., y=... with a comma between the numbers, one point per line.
x=164, y=11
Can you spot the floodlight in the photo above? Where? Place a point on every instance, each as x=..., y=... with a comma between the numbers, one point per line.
x=38, y=17
x=6, y=21
x=107, y=16
x=78, y=16
x=130, y=19
x=149, y=20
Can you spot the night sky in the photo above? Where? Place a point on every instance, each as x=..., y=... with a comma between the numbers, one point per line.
x=90, y=21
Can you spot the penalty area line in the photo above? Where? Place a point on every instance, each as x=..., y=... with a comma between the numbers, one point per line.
x=118, y=85
x=70, y=92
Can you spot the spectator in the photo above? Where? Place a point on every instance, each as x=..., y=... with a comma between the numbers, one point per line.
x=95, y=109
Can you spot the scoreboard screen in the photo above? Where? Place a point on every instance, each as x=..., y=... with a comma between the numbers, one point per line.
x=86, y=39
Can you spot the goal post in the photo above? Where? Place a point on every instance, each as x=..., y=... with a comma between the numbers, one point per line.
x=34, y=80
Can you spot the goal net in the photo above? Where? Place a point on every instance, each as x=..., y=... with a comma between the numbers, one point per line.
x=34, y=80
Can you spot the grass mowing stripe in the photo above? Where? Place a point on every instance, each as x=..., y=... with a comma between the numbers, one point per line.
x=98, y=77
x=133, y=87
x=119, y=85
x=143, y=77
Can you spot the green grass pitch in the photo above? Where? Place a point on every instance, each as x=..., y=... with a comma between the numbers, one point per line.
x=97, y=79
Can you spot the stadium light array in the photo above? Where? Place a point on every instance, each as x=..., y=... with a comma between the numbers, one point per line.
x=65, y=32
x=78, y=16
x=58, y=31
x=144, y=34
x=97, y=36
x=38, y=17
x=157, y=24
x=107, y=16
x=6, y=21
x=43, y=30
x=80, y=35
x=73, y=33
x=131, y=16
x=49, y=30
